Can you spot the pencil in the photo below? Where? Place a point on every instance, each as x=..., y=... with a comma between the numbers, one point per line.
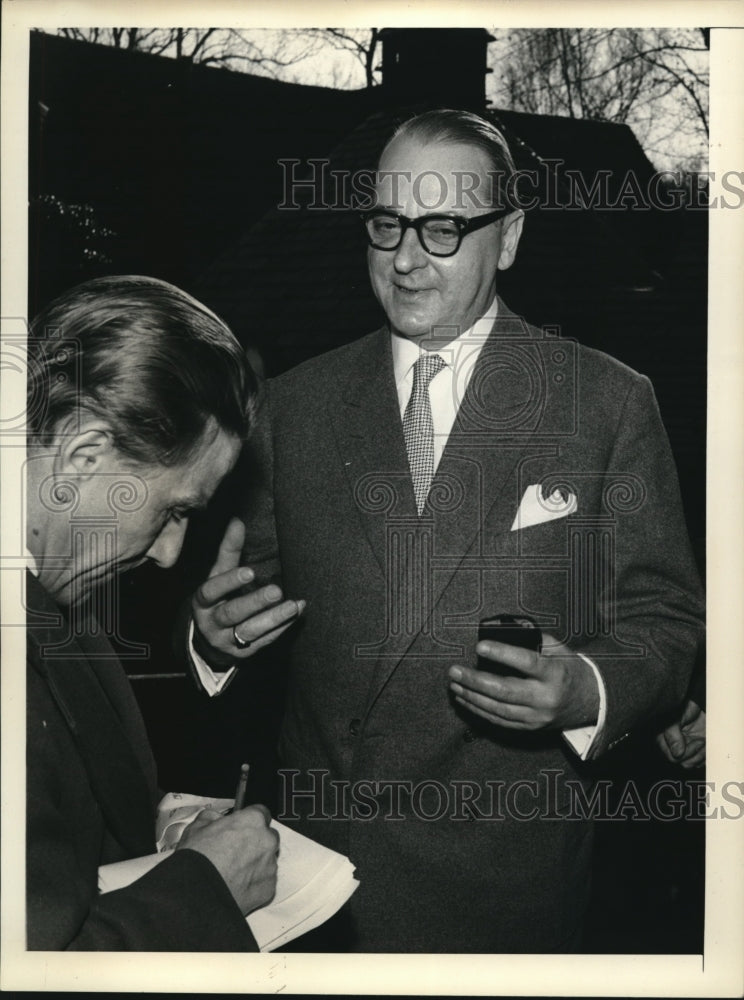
x=242, y=784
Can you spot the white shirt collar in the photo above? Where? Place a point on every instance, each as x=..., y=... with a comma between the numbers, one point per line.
x=464, y=348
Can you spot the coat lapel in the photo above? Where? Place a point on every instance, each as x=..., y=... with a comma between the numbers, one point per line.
x=369, y=432
x=476, y=484
x=100, y=718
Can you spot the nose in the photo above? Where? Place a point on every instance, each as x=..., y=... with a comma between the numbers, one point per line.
x=410, y=254
x=166, y=548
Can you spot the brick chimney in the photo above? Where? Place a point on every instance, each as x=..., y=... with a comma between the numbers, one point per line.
x=443, y=66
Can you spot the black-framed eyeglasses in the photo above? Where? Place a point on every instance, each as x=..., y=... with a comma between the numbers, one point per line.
x=439, y=235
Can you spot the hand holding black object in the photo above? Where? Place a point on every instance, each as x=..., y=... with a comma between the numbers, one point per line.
x=509, y=631
x=529, y=690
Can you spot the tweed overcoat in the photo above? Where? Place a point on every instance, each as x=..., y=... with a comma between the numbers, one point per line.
x=466, y=836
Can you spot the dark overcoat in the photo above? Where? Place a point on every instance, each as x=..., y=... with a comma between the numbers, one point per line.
x=91, y=800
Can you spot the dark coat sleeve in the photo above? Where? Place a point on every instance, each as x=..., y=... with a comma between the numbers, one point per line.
x=182, y=905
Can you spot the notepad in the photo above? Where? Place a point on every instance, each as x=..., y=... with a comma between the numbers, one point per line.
x=313, y=882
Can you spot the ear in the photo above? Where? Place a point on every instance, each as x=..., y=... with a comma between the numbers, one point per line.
x=85, y=452
x=511, y=230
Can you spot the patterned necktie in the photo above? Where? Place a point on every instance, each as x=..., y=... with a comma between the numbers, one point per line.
x=418, y=427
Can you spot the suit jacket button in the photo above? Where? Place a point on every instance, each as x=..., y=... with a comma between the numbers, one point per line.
x=354, y=726
x=469, y=736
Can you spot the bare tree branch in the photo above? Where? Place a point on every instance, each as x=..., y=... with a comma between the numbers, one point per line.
x=641, y=77
x=690, y=90
x=363, y=43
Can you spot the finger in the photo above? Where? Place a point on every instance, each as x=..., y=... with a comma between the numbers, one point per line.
x=258, y=627
x=276, y=841
x=509, y=690
x=697, y=760
x=201, y=821
x=203, y=818
x=216, y=588
x=675, y=740
x=524, y=660
x=231, y=547
x=257, y=644
x=246, y=606
x=497, y=720
x=692, y=746
x=691, y=712
x=694, y=731
x=209, y=814
x=255, y=815
x=662, y=745
x=490, y=705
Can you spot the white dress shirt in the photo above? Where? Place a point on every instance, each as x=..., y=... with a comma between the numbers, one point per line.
x=447, y=388
x=446, y=392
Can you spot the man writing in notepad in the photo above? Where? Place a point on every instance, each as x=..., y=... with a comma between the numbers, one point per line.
x=139, y=399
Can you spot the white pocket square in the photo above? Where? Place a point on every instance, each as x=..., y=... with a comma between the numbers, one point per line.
x=536, y=509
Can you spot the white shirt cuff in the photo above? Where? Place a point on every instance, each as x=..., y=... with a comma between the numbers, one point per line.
x=212, y=681
x=581, y=740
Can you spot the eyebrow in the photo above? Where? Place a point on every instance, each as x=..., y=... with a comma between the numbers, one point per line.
x=453, y=213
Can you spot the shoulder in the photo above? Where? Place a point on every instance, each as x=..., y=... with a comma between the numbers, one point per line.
x=317, y=376
x=44, y=620
x=597, y=364
x=593, y=370
x=610, y=384
x=589, y=381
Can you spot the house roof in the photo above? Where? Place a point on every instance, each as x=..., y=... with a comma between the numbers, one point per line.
x=182, y=164
x=176, y=159
x=296, y=282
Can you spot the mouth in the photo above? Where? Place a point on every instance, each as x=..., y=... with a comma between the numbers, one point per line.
x=406, y=290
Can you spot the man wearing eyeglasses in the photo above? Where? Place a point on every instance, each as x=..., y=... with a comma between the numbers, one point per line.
x=453, y=466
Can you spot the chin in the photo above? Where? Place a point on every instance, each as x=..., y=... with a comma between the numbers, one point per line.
x=414, y=329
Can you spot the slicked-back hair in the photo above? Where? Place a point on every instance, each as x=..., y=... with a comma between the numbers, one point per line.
x=144, y=356
x=447, y=125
